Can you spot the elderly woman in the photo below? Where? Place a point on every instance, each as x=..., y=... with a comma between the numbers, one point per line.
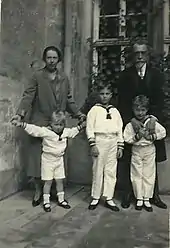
x=48, y=90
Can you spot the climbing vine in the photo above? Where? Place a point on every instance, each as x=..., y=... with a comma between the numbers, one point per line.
x=134, y=26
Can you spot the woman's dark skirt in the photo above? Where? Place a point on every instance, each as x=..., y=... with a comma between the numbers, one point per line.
x=34, y=157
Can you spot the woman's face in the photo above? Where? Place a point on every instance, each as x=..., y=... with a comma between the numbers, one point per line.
x=51, y=60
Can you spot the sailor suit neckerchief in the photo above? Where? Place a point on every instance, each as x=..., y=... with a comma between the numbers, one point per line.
x=59, y=134
x=108, y=116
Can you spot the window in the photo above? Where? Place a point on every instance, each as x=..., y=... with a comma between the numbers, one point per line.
x=0, y=13
x=0, y=9
x=116, y=23
x=166, y=15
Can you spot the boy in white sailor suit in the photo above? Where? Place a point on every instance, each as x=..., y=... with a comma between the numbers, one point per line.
x=104, y=133
x=143, y=153
x=52, y=163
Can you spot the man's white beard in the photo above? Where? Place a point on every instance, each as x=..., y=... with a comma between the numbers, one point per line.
x=139, y=65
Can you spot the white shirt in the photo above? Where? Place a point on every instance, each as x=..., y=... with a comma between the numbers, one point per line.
x=98, y=123
x=142, y=71
x=51, y=143
x=129, y=134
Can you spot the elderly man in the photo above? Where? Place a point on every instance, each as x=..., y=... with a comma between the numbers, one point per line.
x=140, y=78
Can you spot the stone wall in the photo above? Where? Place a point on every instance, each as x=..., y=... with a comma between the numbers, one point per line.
x=27, y=27
x=22, y=35
x=11, y=170
x=77, y=51
x=54, y=23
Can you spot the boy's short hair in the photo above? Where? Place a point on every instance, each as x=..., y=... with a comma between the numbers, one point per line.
x=141, y=101
x=102, y=85
x=58, y=116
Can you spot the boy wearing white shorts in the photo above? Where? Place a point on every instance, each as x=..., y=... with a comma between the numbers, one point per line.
x=52, y=160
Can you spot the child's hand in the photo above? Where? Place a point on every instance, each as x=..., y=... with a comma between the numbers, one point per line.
x=150, y=137
x=94, y=151
x=119, y=153
x=146, y=135
x=141, y=133
x=137, y=125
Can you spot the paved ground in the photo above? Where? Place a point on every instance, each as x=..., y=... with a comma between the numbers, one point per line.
x=22, y=226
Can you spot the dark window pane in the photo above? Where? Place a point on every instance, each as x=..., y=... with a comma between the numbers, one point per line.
x=109, y=7
x=136, y=26
x=109, y=27
x=134, y=6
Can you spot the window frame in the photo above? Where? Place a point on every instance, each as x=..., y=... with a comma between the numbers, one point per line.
x=166, y=20
x=121, y=40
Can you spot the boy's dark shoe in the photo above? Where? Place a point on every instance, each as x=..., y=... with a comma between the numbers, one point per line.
x=64, y=204
x=47, y=207
x=138, y=208
x=93, y=206
x=113, y=208
x=147, y=206
x=148, y=209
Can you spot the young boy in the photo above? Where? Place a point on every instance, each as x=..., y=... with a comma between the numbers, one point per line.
x=143, y=153
x=52, y=162
x=104, y=133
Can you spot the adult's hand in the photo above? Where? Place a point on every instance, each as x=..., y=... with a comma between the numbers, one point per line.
x=81, y=118
x=16, y=119
x=137, y=125
x=82, y=125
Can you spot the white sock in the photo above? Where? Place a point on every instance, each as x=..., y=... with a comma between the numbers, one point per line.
x=61, y=197
x=139, y=202
x=147, y=203
x=94, y=201
x=111, y=202
x=46, y=199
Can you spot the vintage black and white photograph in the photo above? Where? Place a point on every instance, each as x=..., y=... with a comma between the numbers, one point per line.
x=84, y=123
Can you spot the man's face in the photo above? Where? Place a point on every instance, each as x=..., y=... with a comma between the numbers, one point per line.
x=51, y=60
x=140, y=55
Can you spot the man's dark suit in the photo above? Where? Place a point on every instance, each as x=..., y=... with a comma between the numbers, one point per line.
x=129, y=85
